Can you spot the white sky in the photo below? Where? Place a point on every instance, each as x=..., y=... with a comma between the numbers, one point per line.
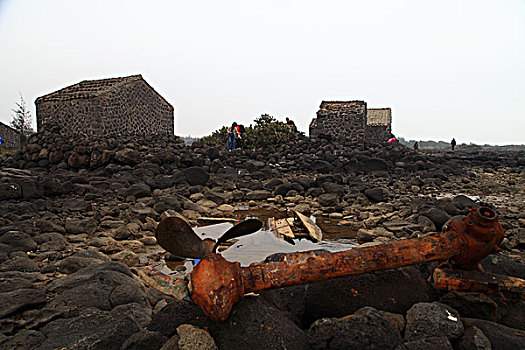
x=449, y=68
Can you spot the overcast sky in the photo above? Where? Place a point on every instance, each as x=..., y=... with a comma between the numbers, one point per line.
x=447, y=68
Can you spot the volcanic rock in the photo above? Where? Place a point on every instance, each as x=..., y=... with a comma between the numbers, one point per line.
x=328, y=199
x=243, y=328
x=191, y=337
x=474, y=339
x=431, y=343
x=94, y=330
x=196, y=176
x=365, y=329
x=377, y=194
x=146, y=340
x=473, y=305
x=391, y=290
x=25, y=339
x=20, y=300
x=431, y=320
x=18, y=241
x=500, y=337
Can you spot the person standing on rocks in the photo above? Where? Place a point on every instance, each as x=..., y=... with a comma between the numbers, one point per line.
x=416, y=146
x=291, y=124
x=233, y=133
x=453, y=143
x=240, y=131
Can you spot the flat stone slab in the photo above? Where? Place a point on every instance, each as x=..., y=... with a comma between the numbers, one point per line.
x=20, y=300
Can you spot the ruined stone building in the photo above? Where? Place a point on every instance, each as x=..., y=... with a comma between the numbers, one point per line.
x=10, y=137
x=352, y=121
x=117, y=106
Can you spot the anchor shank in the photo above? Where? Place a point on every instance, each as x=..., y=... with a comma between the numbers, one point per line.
x=306, y=267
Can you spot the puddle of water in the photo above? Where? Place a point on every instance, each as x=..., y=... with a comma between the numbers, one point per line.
x=330, y=227
x=257, y=246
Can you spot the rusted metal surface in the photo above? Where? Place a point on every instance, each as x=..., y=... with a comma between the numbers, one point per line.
x=218, y=284
x=243, y=228
x=177, y=237
x=475, y=281
x=483, y=235
x=305, y=267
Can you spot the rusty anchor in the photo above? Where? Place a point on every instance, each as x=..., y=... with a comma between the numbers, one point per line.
x=216, y=284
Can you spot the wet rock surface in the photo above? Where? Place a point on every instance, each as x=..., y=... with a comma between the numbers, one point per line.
x=500, y=337
x=426, y=320
x=77, y=218
x=365, y=329
x=255, y=323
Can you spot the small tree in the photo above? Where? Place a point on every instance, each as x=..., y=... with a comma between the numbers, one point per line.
x=22, y=119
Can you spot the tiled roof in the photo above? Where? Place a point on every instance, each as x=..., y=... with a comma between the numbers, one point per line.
x=88, y=89
x=378, y=116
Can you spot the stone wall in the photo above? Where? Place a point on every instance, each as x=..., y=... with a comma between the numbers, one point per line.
x=10, y=137
x=136, y=109
x=378, y=124
x=341, y=120
x=377, y=133
x=133, y=108
x=71, y=116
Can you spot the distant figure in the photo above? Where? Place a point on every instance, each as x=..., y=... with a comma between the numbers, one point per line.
x=232, y=135
x=240, y=132
x=453, y=143
x=416, y=145
x=291, y=124
x=391, y=140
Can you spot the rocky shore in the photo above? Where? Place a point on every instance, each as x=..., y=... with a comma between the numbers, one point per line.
x=77, y=216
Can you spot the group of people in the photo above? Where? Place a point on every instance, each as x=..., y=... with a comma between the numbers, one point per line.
x=235, y=133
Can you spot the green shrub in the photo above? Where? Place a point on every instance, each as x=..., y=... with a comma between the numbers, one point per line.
x=266, y=133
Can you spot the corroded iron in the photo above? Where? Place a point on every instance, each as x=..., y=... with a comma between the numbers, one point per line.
x=216, y=284
x=243, y=228
x=177, y=237
x=483, y=235
x=475, y=281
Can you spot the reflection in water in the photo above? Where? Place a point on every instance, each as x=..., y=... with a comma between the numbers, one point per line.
x=257, y=246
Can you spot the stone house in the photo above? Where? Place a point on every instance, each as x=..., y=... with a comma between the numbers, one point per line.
x=116, y=106
x=352, y=121
x=10, y=137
